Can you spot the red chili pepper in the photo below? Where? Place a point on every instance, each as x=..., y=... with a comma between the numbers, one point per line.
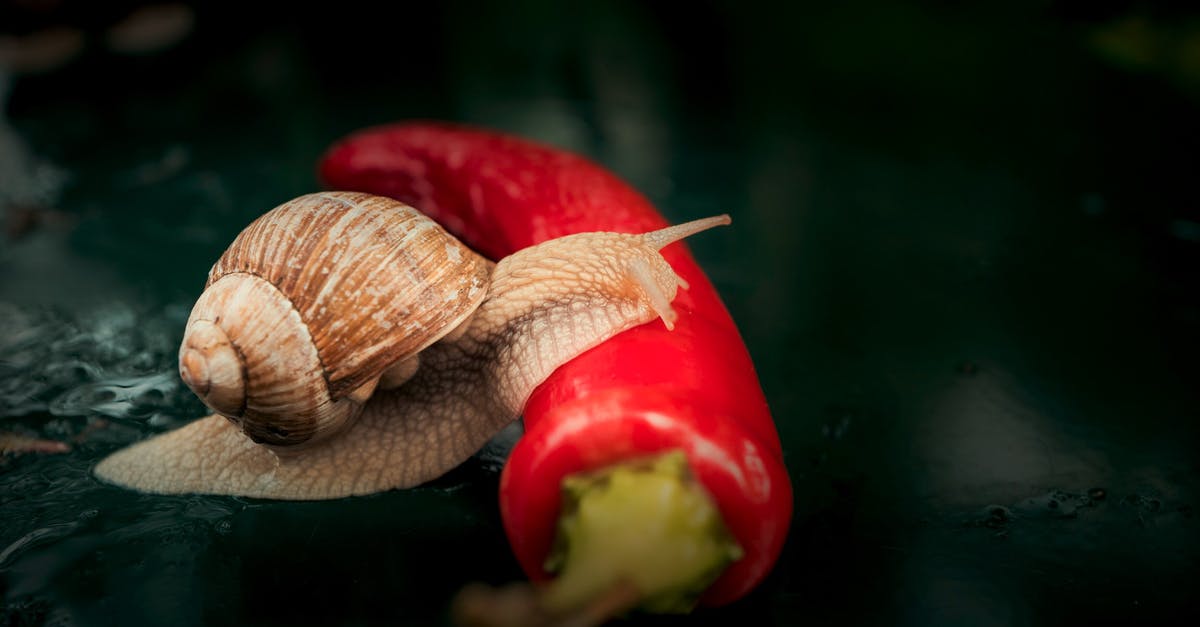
x=644, y=391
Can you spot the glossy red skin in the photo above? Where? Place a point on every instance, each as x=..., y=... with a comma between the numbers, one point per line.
x=644, y=391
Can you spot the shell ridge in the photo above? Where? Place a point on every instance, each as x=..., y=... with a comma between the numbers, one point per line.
x=307, y=330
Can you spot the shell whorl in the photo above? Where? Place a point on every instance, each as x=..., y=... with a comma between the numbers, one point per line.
x=313, y=302
x=212, y=367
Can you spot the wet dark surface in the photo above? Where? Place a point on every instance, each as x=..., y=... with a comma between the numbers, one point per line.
x=964, y=257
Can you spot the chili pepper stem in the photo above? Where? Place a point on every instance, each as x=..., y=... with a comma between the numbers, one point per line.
x=620, y=598
x=645, y=522
x=520, y=605
x=642, y=533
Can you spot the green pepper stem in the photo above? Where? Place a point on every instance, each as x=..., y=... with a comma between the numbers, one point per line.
x=645, y=522
x=640, y=534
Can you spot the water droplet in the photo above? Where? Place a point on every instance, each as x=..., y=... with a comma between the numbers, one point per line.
x=1144, y=504
x=994, y=517
x=837, y=425
x=110, y=361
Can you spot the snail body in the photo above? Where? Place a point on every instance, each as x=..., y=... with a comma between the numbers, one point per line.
x=349, y=345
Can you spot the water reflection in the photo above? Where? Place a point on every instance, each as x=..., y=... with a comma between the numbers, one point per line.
x=960, y=594
x=983, y=439
x=112, y=361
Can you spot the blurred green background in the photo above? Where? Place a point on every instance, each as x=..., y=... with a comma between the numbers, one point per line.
x=964, y=258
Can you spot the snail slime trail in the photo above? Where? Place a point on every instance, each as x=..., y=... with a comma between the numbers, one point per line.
x=319, y=395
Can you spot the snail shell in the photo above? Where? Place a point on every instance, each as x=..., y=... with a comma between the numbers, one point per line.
x=313, y=302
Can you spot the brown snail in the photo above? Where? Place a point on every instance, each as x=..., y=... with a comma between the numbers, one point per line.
x=353, y=346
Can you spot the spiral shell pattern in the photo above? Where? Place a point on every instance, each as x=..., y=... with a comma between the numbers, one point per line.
x=313, y=301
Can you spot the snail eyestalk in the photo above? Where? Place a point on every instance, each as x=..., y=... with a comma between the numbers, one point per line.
x=640, y=272
x=660, y=238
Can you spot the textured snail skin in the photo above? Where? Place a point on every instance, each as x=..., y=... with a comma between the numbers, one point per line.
x=545, y=304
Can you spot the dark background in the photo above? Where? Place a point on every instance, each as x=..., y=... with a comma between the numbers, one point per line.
x=964, y=257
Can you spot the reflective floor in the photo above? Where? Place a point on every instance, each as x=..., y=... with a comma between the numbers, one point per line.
x=964, y=257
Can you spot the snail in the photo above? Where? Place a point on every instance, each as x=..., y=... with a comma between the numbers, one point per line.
x=349, y=345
